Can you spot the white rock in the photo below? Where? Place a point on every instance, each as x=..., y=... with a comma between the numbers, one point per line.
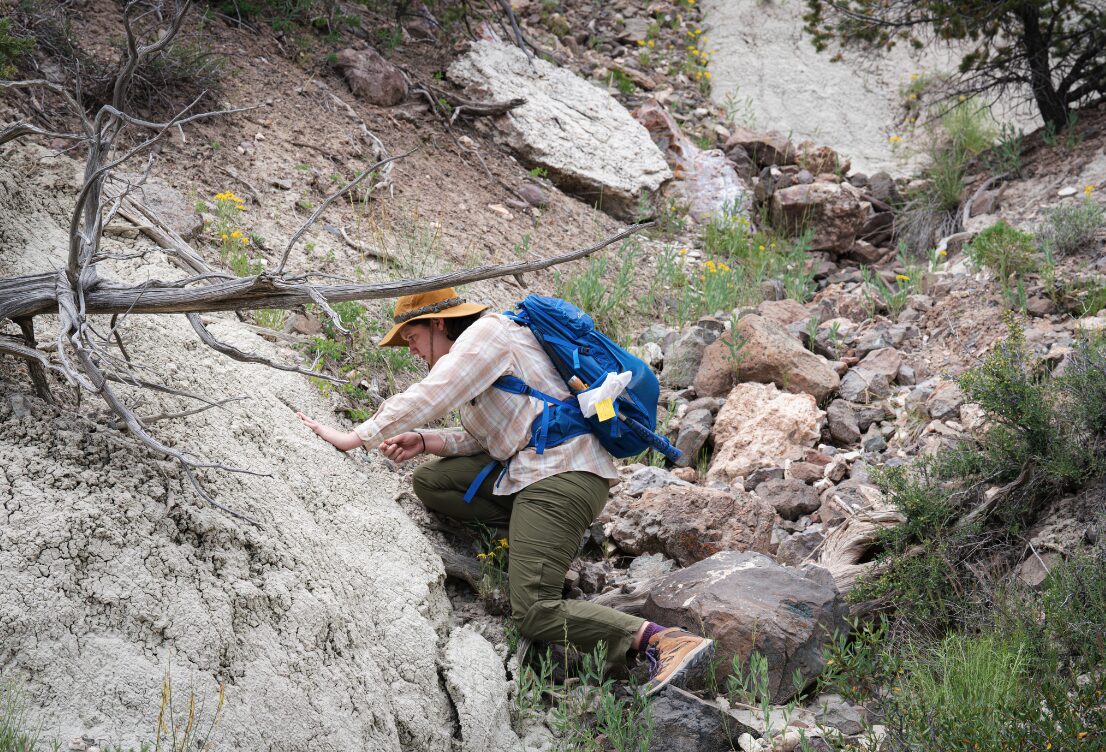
x=760, y=426
x=477, y=684
x=578, y=132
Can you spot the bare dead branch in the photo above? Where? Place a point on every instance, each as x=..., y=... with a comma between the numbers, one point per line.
x=241, y=180
x=34, y=294
x=31, y=355
x=231, y=351
x=186, y=413
x=38, y=372
x=331, y=198
x=21, y=128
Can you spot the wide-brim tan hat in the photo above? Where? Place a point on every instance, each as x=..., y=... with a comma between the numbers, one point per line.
x=436, y=304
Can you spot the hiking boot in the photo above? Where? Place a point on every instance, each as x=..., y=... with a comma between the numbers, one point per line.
x=671, y=653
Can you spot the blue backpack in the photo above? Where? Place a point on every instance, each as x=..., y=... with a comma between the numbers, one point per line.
x=584, y=356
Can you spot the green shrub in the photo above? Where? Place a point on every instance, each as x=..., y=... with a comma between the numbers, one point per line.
x=1004, y=250
x=964, y=132
x=606, y=301
x=1071, y=228
x=590, y=716
x=1046, y=437
x=1051, y=432
x=356, y=356
x=12, y=48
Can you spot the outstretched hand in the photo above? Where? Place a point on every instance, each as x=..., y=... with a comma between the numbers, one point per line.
x=403, y=447
x=342, y=440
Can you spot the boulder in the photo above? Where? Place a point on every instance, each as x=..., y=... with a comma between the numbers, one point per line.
x=170, y=205
x=794, y=549
x=822, y=159
x=790, y=498
x=784, y=312
x=832, y=209
x=585, y=139
x=371, y=77
x=833, y=710
x=767, y=354
x=843, y=424
x=760, y=427
x=694, y=431
x=705, y=181
x=648, y=478
x=765, y=148
x=682, y=360
x=945, y=401
x=862, y=385
x=878, y=228
x=881, y=187
x=477, y=683
x=690, y=523
x=747, y=602
x=684, y=723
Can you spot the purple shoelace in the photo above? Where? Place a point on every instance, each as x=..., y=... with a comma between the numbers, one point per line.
x=654, y=662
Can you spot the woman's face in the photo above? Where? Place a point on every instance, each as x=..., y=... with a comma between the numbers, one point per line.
x=426, y=340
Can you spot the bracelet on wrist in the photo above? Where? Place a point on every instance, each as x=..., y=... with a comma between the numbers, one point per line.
x=423, y=440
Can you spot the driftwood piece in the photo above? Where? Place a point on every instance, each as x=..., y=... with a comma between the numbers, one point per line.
x=846, y=550
x=630, y=601
x=34, y=294
x=460, y=567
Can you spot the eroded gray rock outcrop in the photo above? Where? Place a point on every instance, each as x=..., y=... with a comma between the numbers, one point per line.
x=326, y=624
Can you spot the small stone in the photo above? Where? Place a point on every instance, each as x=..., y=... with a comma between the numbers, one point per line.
x=790, y=497
x=651, y=477
x=761, y=475
x=842, y=422
x=533, y=195
x=1066, y=191
x=648, y=566
x=874, y=441
x=283, y=184
x=808, y=472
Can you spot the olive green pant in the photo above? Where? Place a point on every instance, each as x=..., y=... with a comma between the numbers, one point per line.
x=545, y=522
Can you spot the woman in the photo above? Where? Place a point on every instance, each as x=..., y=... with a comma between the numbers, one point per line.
x=545, y=501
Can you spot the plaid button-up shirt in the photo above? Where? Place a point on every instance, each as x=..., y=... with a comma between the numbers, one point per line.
x=494, y=421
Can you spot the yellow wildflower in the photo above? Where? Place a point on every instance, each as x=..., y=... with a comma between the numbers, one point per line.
x=651, y=44
x=1081, y=735
x=245, y=241
x=641, y=43
x=706, y=74
x=683, y=251
x=223, y=236
x=761, y=246
x=902, y=277
x=914, y=76
x=1088, y=190
x=502, y=543
x=236, y=234
x=481, y=557
x=895, y=139
x=691, y=2
x=942, y=253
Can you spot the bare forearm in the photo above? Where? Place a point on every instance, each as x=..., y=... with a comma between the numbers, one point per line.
x=342, y=440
